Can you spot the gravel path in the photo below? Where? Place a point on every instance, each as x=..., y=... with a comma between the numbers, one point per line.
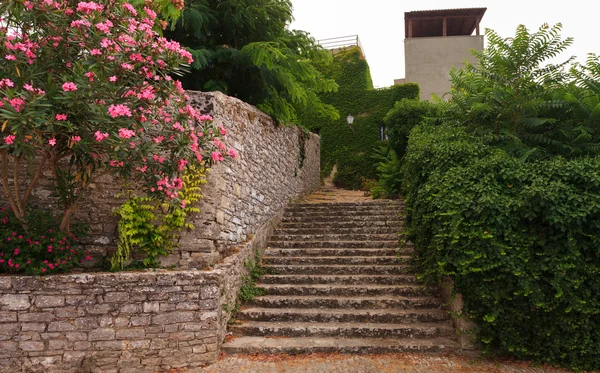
x=396, y=363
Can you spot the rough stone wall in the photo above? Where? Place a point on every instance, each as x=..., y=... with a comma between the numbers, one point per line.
x=243, y=199
x=128, y=322
x=121, y=322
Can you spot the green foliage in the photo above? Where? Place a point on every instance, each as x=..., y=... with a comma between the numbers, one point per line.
x=249, y=290
x=42, y=248
x=389, y=169
x=515, y=99
x=400, y=120
x=350, y=147
x=141, y=231
x=521, y=240
x=244, y=49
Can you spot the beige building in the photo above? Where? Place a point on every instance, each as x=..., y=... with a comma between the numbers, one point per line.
x=437, y=40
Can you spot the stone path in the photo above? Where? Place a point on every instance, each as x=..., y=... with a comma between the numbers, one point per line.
x=392, y=363
x=333, y=362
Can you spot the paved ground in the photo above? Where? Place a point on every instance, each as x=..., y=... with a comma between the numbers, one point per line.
x=393, y=363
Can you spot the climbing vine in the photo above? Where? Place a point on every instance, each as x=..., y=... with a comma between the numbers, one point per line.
x=350, y=147
x=150, y=227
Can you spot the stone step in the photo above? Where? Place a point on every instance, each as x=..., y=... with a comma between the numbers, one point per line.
x=391, y=316
x=336, y=237
x=349, y=204
x=332, y=244
x=399, y=224
x=279, y=301
x=331, y=230
x=339, y=269
x=341, y=207
x=339, y=279
x=380, y=217
x=263, y=345
x=344, y=330
x=389, y=251
x=349, y=290
x=337, y=260
x=335, y=214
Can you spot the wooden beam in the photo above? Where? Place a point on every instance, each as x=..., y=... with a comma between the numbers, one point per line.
x=410, y=29
x=444, y=27
x=429, y=18
x=477, y=25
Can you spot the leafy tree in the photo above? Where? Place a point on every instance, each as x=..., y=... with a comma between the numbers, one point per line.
x=516, y=99
x=86, y=90
x=244, y=49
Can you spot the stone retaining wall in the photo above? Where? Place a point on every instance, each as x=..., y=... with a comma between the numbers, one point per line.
x=128, y=322
x=242, y=199
x=143, y=322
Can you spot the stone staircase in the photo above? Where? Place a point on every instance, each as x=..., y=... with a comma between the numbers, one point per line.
x=339, y=283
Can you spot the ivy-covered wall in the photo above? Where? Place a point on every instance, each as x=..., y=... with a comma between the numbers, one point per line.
x=347, y=146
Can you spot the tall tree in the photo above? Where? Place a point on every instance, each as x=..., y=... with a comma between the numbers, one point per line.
x=243, y=48
x=517, y=99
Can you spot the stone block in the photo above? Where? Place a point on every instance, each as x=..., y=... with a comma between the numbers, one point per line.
x=31, y=346
x=61, y=326
x=76, y=336
x=140, y=320
x=8, y=316
x=14, y=302
x=36, y=317
x=151, y=307
x=101, y=334
x=176, y=317
x=116, y=297
x=43, y=301
x=7, y=346
x=33, y=327
x=131, y=333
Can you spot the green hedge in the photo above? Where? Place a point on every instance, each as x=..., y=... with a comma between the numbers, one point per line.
x=521, y=240
x=351, y=147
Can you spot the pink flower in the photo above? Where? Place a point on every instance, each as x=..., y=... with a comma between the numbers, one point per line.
x=17, y=104
x=90, y=75
x=182, y=164
x=125, y=133
x=205, y=118
x=127, y=66
x=217, y=156
x=61, y=116
x=52, y=141
x=28, y=87
x=69, y=86
x=9, y=139
x=6, y=83
x=96, y=52
x=113, y=78
x=89, y=7
x=158, y=140
x=130, y=8
x=119, y=110
x=75, y=139
x=10, y=57
x=100, y=136
x=232, y=153
x=104, y=27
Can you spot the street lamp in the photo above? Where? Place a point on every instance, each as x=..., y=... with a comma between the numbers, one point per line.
x=350, y=119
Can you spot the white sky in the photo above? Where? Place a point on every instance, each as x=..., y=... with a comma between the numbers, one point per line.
x=380, y=24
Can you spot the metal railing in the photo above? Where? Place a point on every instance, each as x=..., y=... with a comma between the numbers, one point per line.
x=334, y=44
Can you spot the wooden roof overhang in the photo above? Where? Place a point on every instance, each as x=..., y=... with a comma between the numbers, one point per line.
x=442, y=22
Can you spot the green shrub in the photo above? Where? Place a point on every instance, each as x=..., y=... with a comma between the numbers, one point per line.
x=400, y=120
x=521, y=240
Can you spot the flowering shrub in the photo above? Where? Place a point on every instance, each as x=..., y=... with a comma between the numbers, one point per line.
x=86, y=89
x=43, y=249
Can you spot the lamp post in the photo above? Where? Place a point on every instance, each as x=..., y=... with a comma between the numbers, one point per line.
x=350, y=119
